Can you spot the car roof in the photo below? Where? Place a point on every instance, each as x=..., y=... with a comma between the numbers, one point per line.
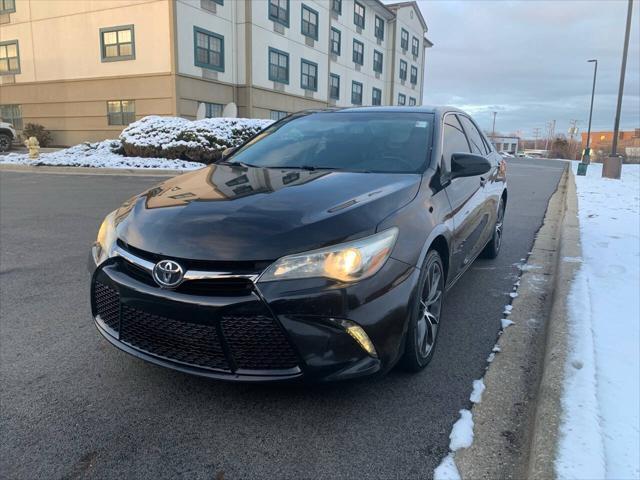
x=433, y=109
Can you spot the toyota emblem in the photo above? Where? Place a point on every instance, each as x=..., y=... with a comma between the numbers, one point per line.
x=168, y=274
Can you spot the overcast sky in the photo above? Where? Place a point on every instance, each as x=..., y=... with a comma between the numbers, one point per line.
x=527, y=60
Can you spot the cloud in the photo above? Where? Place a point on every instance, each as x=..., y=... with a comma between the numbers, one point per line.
x=527, y=60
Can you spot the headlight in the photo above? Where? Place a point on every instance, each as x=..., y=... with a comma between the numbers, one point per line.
x=106, y=239
x=346, y=262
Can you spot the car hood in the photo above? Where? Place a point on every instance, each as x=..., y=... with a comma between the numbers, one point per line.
x=229, y=213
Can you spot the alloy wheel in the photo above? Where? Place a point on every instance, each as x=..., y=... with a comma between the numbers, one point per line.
x=430, y=308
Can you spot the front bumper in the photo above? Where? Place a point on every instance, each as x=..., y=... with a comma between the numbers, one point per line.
x=275, y=331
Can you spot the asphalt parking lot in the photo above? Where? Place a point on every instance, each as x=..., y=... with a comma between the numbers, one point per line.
x=72, y=406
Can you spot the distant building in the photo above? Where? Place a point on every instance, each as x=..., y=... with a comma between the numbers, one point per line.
x=602, y=142
x=505, y=144
x=85, y=69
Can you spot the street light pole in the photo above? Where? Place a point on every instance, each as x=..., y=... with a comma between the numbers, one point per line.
x=586, y=158
x=612, y=167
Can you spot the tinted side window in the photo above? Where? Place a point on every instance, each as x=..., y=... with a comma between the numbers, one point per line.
x=475, y=139
x=454, y=141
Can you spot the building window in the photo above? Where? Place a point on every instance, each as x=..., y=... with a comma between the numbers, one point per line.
x=377, y=61
x=117, y=43
x=309, y=75
x=334, y=86
x=335, y=41
x=279, y=11
x=278, y=66
x=209, y=49
x=11, y=114
x=276, y=115
x=402, y=99
x=7, y=6
x=412, y=102
x=358, y=14
x=403, y=70
x=358, y=52
x=415, y=46
x=376, y=96
x=414, y=74
x=121, y=112
x=379, y=28
x=336, y=6
x=309, y=22
x=210, y=5
x=212, y=110
x=9, y=58
x=356, y=93
x=404, y=39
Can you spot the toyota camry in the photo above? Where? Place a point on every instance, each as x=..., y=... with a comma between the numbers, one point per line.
x=320, y=249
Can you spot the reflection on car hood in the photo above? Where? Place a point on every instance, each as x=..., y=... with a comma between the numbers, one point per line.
x=228, y=212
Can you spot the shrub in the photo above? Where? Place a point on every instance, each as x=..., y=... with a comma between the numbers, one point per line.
x=177, y=138
x=36, y=130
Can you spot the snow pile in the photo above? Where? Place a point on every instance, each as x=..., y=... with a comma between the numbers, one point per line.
x=99, y=155
x=478, y=389
x=447, y=469
x=461, y=435
x=601, y=420
x=177, y=138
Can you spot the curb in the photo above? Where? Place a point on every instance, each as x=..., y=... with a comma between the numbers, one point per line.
x=511, y=424
x=544, y=438
x=17, y=168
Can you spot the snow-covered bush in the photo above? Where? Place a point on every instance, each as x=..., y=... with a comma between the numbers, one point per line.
x=178, y=138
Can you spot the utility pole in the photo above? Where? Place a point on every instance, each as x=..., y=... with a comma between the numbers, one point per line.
x=536, y=134
x=573, y=130
x=612, y=167
x=549, y=127
x=493, y=130
x=586, y=158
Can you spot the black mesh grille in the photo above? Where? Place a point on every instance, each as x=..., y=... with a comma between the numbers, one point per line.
x=257, y=343
x=107, y=303
x=179, y=341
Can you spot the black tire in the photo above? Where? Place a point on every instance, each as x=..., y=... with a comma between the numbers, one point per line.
x=5, y=142
x=422, y=332
x=493, y=247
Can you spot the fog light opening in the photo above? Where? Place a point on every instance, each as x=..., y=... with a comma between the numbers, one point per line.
x=359, y=335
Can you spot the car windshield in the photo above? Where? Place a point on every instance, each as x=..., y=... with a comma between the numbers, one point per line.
x=388, y=142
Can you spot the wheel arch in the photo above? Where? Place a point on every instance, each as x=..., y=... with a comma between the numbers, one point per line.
x=441, y=245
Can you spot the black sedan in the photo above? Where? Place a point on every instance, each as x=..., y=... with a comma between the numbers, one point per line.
x=321, y=249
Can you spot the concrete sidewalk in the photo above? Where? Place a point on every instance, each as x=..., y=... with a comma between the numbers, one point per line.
x=516, y=424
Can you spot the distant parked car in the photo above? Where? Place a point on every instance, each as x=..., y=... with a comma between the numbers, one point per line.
x=320, y=249
x=7, y=136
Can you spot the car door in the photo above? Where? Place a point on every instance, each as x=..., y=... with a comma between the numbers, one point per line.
x=491, y=191
x=466, y=196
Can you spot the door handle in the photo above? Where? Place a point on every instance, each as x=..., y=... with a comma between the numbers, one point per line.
x=483, y=181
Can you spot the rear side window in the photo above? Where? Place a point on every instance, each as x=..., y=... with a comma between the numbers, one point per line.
x=453, y=141
x=474, y=136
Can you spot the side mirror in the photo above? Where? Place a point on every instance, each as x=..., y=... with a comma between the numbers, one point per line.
x=468, y=165
x=227, y=152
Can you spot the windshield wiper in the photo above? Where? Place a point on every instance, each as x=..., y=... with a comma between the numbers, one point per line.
x=312, y=168
x=241, y=164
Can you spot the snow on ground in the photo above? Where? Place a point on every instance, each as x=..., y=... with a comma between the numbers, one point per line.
x=478, y=388
x=461, y=435
x=600, y=430
x=99, y=155
x=447, y=469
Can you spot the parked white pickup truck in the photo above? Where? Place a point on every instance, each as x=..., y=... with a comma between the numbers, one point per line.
x=7, y=136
